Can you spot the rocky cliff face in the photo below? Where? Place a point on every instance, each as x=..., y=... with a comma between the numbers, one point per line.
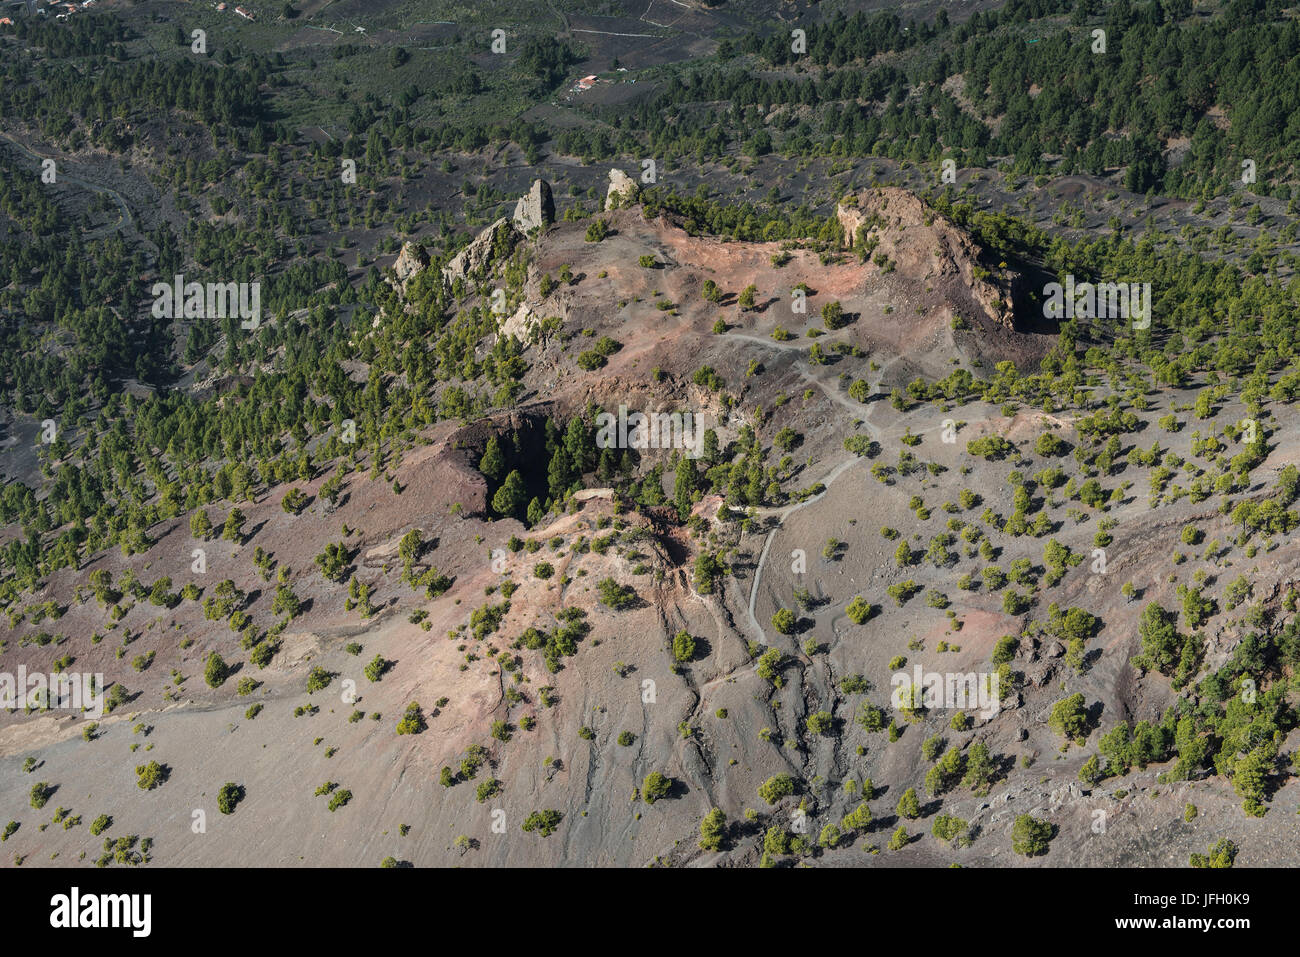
x=471, y=260
x=850, y=219
x=895, y=230
x=520, y=323
x=410, y=262
x=535, y=209
x=622, y=189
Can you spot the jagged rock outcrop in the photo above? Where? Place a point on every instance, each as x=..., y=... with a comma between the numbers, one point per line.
x=470, y=261
x=622, y=189
x=410, y=262
x=850, y=218
x=903, y=233
x=519, y=324
x=535, y=209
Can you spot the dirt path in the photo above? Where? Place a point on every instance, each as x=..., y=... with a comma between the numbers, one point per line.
x=830, y=391
x=781, y=513
x=564, y=21
x=124, y=218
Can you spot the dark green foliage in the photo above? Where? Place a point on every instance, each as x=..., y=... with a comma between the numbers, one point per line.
x=215, y=670
x=1069, y=718
x=655, y=786
x=412, y=721
x=615, y=596
x=1030, y=837
x=776, y=787
x=543, y=822
x=1221, y=855
x=713, y=831
x=228, y=797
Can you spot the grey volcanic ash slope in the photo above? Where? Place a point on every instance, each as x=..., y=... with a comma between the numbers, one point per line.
x=519, y=647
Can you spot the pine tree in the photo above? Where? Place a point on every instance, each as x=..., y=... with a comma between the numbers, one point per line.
x=536, y=511
x=558, y=474
x=234, y=528
x=606, y=465
x=215, y=671
x=711, y=453
x=908, y=805
x=577, y=443
x=979, y=767
x=713, y=830
x=201, y=525
x=1091, y=772
x=493, y=463
x=512, y=494
x=684, y=486
x=858, y=819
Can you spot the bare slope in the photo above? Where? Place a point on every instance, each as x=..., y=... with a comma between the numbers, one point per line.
x=581, y=741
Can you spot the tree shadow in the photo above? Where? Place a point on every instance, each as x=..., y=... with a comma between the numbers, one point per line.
x=1094, y=713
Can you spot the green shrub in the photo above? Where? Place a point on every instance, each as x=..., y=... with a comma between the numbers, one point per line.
x=544, y=822
x=228, y=797
x=655, y=786
x=215, y=671
x=776, y=787
x=1030, y=837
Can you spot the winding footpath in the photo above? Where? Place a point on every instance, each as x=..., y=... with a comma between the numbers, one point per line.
x=782, y=513
x=124, y=219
